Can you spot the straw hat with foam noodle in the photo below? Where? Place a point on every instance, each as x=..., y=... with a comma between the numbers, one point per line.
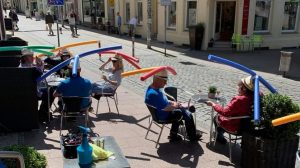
x=163, y=74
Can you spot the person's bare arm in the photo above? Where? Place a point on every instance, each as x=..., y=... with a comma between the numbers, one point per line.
x=56, y=94
x=172, y=106
x=110, y=81
x=103, y=65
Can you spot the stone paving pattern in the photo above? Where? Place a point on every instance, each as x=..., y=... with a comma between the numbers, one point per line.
x=194, y=73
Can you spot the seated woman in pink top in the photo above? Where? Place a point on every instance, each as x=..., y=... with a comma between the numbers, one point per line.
x=240, y=105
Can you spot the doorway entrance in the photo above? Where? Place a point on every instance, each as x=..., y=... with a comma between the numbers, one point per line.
x=225, y=19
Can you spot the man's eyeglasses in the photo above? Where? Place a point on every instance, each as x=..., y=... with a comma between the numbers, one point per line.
x=163, y=77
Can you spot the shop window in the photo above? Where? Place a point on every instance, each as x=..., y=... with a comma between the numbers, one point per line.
x=171, y=15
x=139, y=13
x=191, y=13
x=127, y=12
x=262, y=15
x=86, y=6
x=291, y=15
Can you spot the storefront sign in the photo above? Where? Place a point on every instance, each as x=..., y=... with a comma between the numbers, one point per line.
x=165, y=2
x=55, y=2
x=245, y=17
x=111, y=2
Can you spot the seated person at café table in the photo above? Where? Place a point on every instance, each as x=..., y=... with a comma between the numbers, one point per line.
x=64, y=55
x=240, y=105
x=27, y=61
x=167, y=110
x=75, y=86
x=114, y=78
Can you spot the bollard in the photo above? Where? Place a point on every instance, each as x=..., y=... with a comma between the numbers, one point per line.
x=132, y=39
x=285, y=61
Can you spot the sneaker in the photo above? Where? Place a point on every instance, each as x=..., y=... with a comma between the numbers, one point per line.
x=197, y=137
x=91, y=109
x=174, y=138
x=192, y=109
x=221, y=140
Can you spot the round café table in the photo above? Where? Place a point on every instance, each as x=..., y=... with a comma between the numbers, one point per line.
x=202, y=98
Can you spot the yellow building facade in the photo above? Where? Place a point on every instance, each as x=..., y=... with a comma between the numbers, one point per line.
x=278, y=21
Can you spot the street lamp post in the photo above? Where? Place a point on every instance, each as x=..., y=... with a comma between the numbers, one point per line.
x=149, y=21
x=2, y=27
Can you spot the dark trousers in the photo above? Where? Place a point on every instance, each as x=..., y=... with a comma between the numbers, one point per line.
x=188, y=121
x=44, y=108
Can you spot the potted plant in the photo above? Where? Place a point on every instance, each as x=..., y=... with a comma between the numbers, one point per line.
x=269, y=146
x=212, y=90
x=196, y=33
x=32, y=157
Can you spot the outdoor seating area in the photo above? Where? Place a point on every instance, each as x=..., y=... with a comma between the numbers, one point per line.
x=245, y=42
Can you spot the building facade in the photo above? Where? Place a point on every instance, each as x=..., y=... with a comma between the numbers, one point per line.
x=276, y=20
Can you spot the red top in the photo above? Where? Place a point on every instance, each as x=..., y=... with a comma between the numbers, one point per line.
x=238, y=106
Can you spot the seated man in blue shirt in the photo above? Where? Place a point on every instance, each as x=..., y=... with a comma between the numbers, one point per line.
x=167, y=110
x=75, y=86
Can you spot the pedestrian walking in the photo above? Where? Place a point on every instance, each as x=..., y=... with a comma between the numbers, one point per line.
x=132, y=25
x=4, y=8
x=72, y=23
x=49, y=22
x=13, y=15
x=119, y=22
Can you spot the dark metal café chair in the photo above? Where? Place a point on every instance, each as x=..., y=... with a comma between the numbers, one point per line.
x=112, y=95
x=72, y=108
x=245, y=125
x=161, y=123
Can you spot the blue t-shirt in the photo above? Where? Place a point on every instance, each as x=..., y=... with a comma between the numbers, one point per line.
x=77, y=86
x=156, y=98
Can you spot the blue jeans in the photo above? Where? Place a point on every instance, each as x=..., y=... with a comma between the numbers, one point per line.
x=188, y=121
x=101, y=88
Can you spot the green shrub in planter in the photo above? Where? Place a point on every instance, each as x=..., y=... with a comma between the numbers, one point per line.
x=274, y=106
x=270, y=146
x=32, y=158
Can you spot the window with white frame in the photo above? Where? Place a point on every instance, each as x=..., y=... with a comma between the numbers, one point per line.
x=127, y=12
x=291, y=16
x=262, y=15
x=139, y=12
x=172, y=15
x=191, y=13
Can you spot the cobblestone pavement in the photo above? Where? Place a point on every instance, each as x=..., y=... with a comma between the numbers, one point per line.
x=194, y=71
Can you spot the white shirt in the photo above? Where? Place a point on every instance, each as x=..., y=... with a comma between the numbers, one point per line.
x=133, y=21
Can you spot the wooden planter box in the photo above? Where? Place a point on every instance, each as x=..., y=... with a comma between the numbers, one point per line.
x=258, y=152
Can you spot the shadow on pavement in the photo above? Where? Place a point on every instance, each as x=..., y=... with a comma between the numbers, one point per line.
x=223, y=149
x=184, y=154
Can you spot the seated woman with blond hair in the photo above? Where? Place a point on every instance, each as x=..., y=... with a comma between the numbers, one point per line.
x=109, y=83
x=240, y=105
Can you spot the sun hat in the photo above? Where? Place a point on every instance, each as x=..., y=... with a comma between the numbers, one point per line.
x=115, y=58
x=27, y=52
x=72, y=63
x=65, y=52
x=248, y=82
x=162, y=74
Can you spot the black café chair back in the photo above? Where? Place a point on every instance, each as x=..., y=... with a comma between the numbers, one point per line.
x=112, y=95
x=160, y=123
x=171, y=93
x=72, y=108
x=245, y=125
